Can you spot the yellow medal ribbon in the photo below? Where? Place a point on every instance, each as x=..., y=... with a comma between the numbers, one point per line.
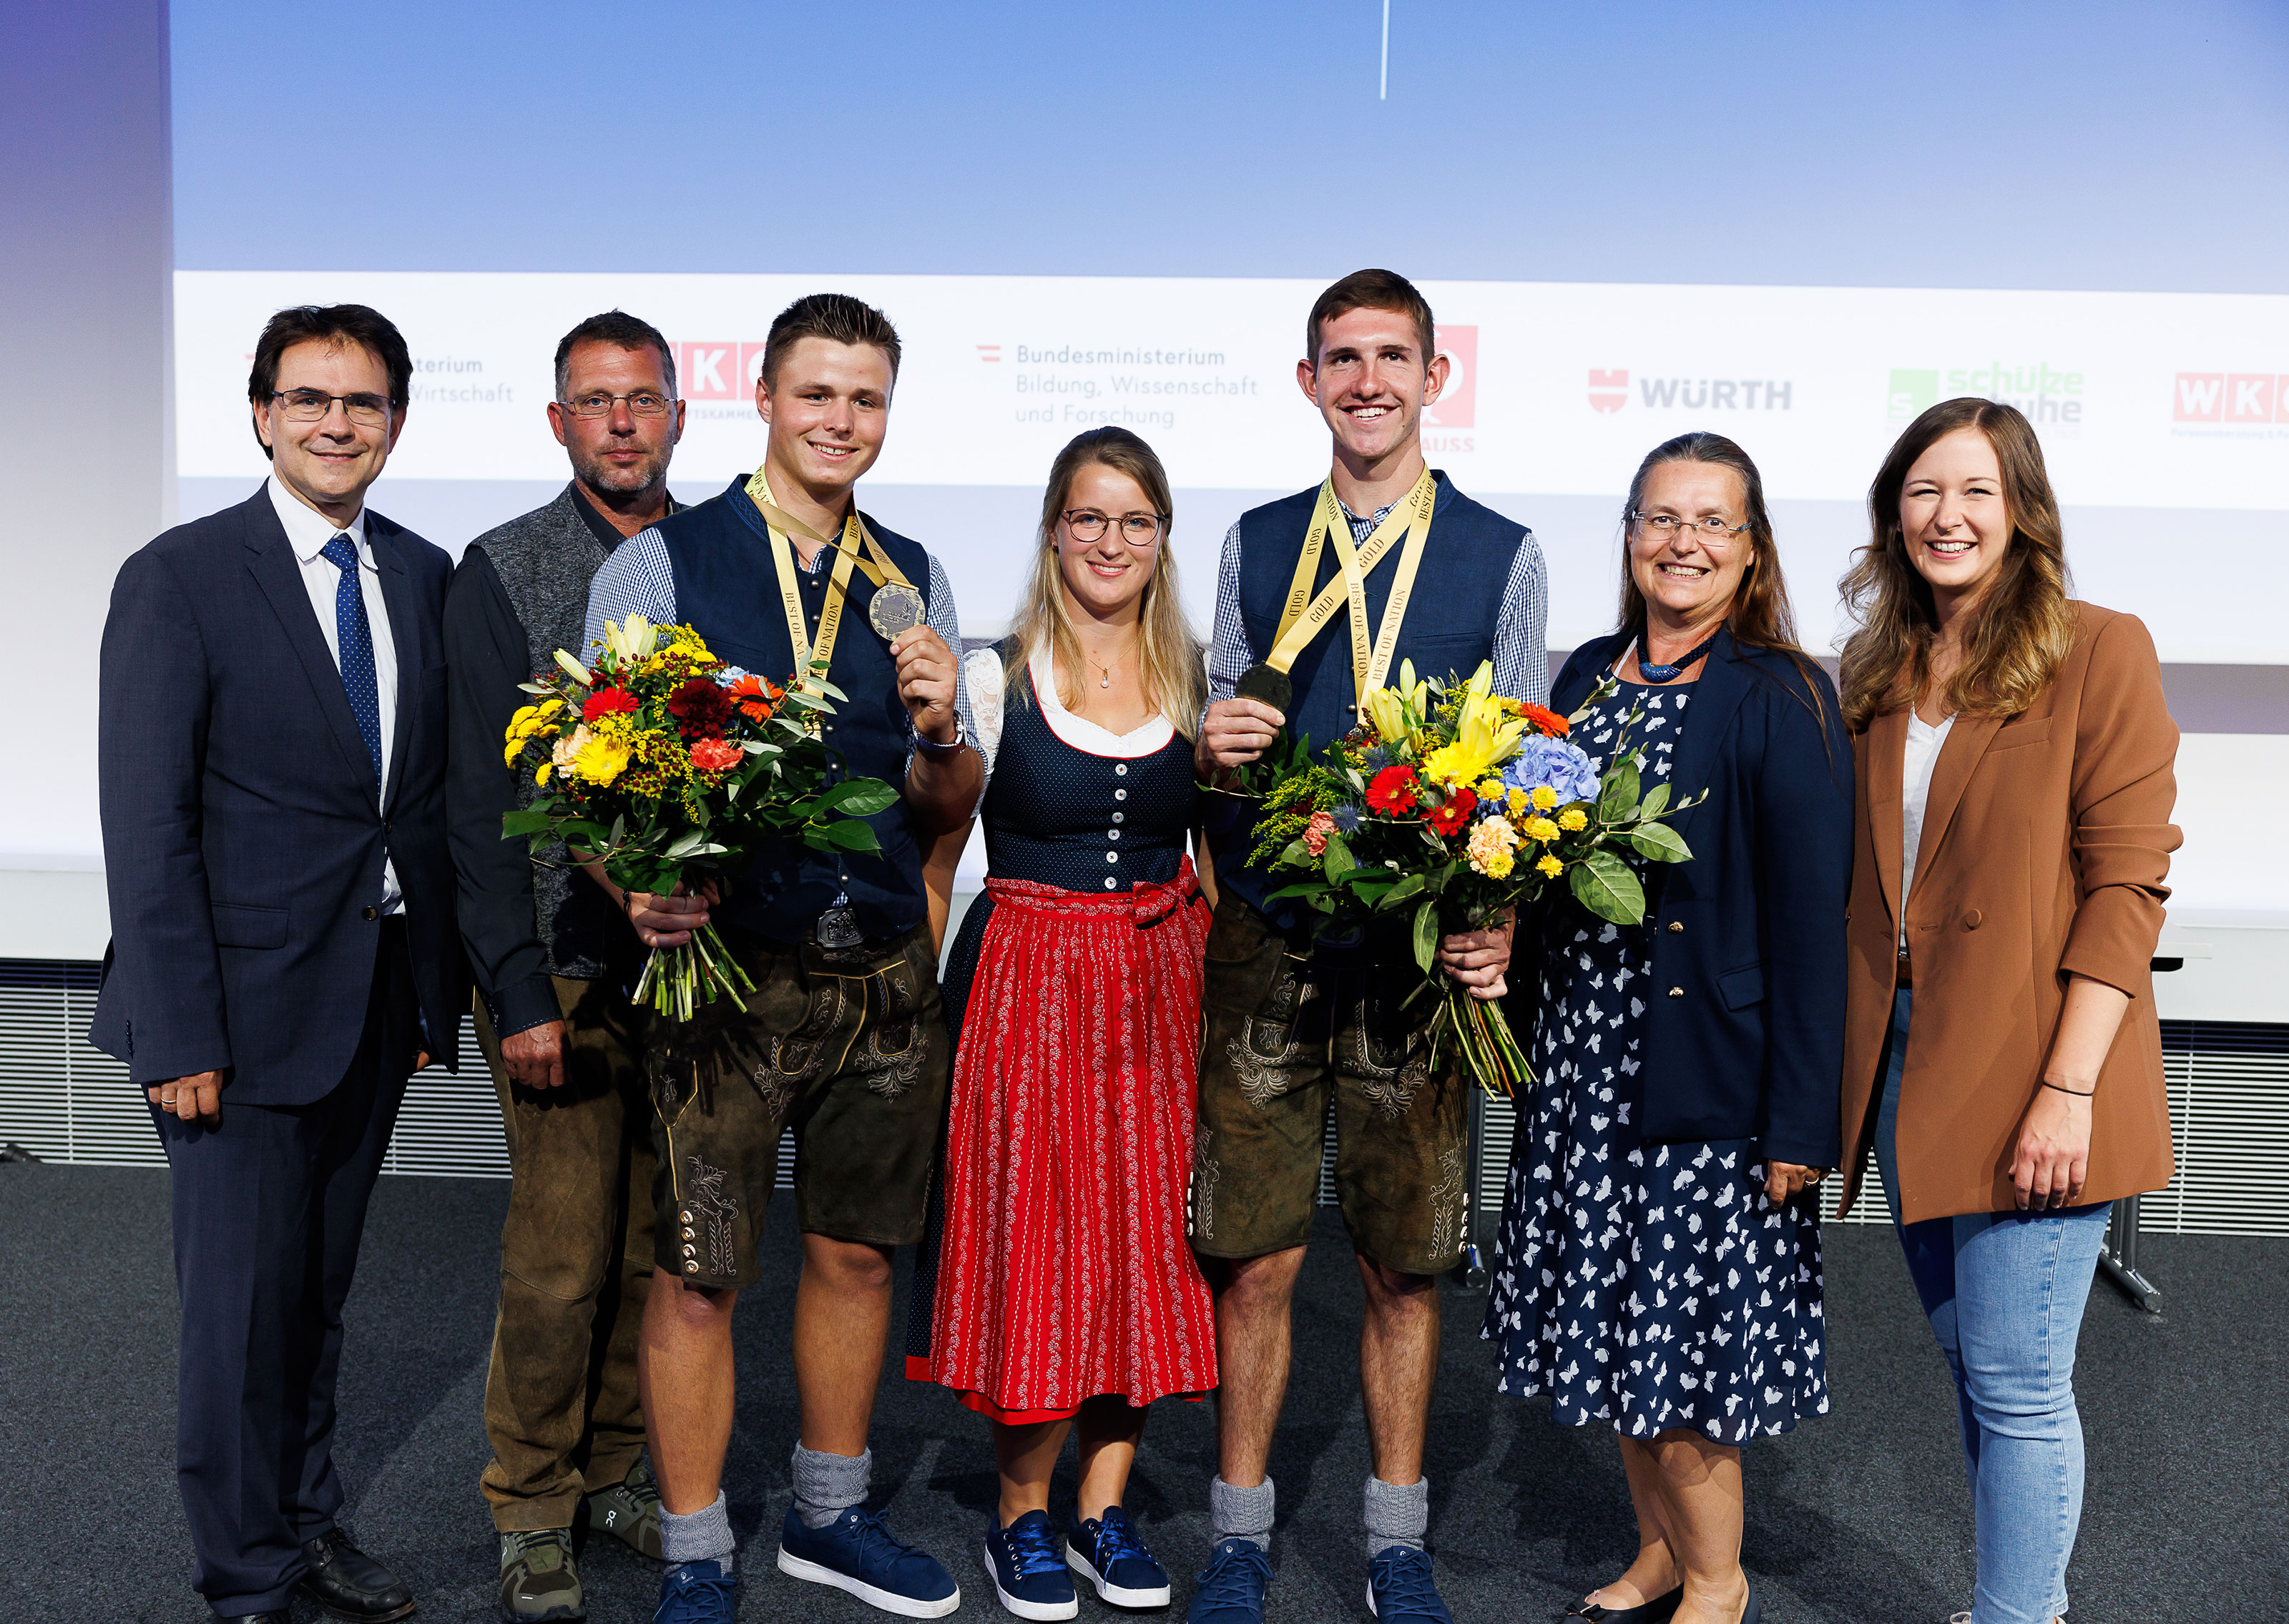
x=1305, y=616
x=857, y=548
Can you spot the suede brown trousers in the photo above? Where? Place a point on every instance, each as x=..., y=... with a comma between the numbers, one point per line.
x=561, y=1405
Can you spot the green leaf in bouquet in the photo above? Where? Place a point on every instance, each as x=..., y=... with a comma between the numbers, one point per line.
x=859, y=797
x=850, y=835
x=1411, y=885
x=1660, y=842
x=1295, y=855
x=530, y=821
x=1313, y=888
x=1619, y=797
x=1337, y=860
x=1656, y=802
x=756, y=747
x=1602, y=883
x=1371, y=891
x=684, y=844
x=1426, y=935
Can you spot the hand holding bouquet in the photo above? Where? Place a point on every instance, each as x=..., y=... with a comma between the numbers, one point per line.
x=669, y=766
x=1457, y=805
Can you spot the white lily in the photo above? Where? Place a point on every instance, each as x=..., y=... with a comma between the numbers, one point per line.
x=574, y=669
x=631, y=640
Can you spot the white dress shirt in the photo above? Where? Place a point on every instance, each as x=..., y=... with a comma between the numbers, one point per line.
x=307, y=532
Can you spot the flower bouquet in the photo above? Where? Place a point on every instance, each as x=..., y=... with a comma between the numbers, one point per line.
x=1456, y=805
x=668, y=766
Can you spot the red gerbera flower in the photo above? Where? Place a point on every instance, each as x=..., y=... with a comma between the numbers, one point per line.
x=1391, y=791
x=1544, y=720
x=1455, y=812
x=754, y=698
x=607, y=702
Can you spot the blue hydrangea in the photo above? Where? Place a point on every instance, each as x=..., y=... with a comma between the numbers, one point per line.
x=1553, y=762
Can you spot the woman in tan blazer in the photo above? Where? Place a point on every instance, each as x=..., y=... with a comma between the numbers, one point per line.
x=2014, y=766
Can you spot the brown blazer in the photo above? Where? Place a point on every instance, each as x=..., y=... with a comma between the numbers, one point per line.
x=2045, y=840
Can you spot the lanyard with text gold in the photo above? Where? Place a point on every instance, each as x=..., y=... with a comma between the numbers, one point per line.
x=1300, y=621
x=856, y=549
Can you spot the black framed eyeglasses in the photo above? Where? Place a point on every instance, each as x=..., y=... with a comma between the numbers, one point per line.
x=1087, y=525
x=312, y=405
x=1665, y=527
x=596, y=404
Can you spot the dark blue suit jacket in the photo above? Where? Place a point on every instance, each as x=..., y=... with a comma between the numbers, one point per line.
x=242, y=835
x=1745, y=1027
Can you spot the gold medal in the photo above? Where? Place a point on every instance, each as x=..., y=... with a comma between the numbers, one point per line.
x=895, y=608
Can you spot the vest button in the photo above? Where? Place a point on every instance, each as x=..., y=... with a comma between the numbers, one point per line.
x=1117, y=816
x=1677, y=928
x=1120, y=794
x=369, y=914
x=1120, y=769
x=1677, y=992
x=1112, y=834
x=1108, y=882
x=1974, y=919
x=1113, y=856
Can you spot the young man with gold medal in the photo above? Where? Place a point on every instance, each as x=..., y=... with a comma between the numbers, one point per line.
x=844, y=1040
x=1387, y=551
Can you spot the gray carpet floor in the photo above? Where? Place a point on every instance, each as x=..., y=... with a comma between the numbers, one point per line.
x=1862, y=1515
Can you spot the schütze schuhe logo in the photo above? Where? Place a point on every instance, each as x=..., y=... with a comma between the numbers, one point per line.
x=2231, y=397
x=1609, y=391
x=2046, y=393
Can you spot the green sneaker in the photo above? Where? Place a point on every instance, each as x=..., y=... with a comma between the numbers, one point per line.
x=538, y=1579
x=629, y=1510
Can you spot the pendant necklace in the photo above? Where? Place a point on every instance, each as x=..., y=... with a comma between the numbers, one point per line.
x=1105, y=681
x=1670, y=673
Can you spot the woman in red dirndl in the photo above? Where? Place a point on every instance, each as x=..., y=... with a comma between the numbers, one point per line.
x=1057, y=1292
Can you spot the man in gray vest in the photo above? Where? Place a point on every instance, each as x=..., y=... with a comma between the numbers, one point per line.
x=552, y=956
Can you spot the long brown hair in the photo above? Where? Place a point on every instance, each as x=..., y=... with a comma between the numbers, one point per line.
x=1170, y=671
x=2020, y=627
x=1760, y=617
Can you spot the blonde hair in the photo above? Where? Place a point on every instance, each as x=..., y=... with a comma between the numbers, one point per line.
x=2020, y=628
x=1174, y=681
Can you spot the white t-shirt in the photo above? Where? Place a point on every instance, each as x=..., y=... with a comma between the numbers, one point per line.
x=1922, y=754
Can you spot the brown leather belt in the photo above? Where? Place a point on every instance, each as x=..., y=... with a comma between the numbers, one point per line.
x=1904, y=975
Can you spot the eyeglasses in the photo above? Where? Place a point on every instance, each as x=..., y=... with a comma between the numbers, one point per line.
x=1138, y=529
x=596, y=404
x=1665, y=526
x=312, y=405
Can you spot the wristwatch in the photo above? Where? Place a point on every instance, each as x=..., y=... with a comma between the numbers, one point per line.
x=937, y=751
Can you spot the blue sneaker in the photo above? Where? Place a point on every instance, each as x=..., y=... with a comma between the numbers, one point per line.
x=1027, y=1576
x=696, y=1593
x=1111, y=1556
x=1398, y=1586
x=855, y=1553
x=1230, y=1591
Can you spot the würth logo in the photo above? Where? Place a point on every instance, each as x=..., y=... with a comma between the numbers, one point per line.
x=2232, y=397
x=1459, y=403
x=719, y=370
x=1609, y=391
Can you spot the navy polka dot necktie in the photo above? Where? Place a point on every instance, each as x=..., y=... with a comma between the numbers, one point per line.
x=355, y=637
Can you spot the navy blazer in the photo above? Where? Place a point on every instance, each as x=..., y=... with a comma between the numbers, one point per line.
x=1745, y=1027
x=242, y=839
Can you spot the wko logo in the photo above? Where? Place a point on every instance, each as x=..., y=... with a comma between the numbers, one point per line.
x=1609, y=391
x=719, y=370
x=2232, y=397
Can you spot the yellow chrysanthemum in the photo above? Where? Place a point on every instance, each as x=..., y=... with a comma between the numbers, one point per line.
x=1545, y=798
x=1517, y=802
x=1541, y=829
x=540, y=773
x=1491, y=790
x=1549, y=865
x=1572, y=819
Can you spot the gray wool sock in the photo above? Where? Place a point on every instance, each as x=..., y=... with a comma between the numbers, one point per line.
x=826, y=1486
x=1396, y=1514
x=705, y=1535
x=1240, y=1514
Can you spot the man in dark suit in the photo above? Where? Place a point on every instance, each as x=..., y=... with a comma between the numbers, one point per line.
x=283, y=949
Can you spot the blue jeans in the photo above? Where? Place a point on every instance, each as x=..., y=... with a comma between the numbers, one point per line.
x=2005, y=1295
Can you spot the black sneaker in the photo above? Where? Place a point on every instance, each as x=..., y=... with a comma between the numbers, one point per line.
x=1109, y=1553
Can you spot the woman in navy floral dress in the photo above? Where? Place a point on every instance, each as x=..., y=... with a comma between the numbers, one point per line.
x=1658, y=1263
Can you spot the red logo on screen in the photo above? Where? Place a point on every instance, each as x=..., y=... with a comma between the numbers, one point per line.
x=1458, y=403
x=717, y=370
x=2231, y=397
x=1609, y=391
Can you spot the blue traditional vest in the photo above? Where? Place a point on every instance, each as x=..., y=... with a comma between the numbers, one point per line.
x=1450, y=626
x=727, y=590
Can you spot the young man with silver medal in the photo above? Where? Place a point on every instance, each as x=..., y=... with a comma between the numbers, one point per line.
x=844, y=1040
x=1293, y=1016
